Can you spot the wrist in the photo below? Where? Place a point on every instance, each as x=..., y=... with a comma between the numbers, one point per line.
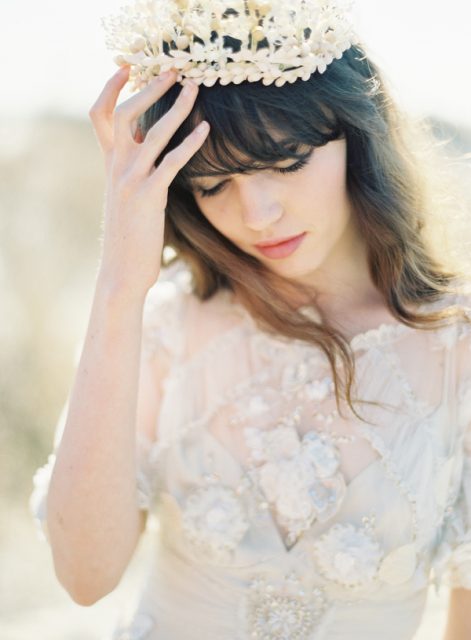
x=117, y=289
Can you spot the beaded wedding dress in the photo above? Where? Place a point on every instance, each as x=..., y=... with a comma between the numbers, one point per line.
x=277, y=518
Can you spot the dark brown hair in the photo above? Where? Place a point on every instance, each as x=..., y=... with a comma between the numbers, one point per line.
x=393, y=190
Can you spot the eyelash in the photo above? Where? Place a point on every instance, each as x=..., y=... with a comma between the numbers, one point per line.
x=297, y=166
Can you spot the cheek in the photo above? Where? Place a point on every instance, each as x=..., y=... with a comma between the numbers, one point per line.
x=328, y=172
x=214, y=214
x=205, y=208
x=322, y=188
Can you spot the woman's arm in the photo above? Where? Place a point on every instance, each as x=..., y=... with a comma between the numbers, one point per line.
x=459, y=615
x=93, y=519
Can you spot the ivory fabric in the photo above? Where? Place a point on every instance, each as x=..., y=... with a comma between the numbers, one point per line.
x=275, y=517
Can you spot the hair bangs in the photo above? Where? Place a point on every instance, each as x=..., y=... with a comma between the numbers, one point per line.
x=252, y=127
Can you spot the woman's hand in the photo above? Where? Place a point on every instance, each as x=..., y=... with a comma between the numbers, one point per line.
x=136, y=192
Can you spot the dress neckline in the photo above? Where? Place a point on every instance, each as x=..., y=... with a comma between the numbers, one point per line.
x=375, y=336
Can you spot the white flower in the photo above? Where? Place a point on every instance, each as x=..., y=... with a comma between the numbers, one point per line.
x=285, y=31
x=347, y=555
x=214, y=518
x=322, y=455
x=300, y=478
x=286, y=483
x=327, y=495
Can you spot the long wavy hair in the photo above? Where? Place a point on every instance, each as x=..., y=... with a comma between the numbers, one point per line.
x=398, y=190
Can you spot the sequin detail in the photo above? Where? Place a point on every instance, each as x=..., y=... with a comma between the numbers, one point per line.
x=283, y=611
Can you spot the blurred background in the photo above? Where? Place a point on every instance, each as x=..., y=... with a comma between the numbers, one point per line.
x=54, y=64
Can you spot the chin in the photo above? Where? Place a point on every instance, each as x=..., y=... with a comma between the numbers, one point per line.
x=294, y=272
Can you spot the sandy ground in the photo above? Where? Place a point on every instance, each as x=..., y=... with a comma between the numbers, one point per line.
x=33, y=606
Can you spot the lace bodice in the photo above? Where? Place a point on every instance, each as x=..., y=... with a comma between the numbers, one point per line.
x=279, y=518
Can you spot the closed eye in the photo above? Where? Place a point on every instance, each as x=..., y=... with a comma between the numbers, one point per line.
x=297, y=166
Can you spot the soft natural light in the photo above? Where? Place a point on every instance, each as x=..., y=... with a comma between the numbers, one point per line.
x=54, y=56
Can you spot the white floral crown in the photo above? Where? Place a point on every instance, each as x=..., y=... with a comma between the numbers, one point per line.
x=273, y=41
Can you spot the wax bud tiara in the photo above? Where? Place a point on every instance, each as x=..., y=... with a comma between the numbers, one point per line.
x=230, y=41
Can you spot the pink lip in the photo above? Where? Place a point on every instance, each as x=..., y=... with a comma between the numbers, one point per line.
x=281, y=248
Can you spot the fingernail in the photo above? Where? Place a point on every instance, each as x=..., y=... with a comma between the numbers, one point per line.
x=202, y=128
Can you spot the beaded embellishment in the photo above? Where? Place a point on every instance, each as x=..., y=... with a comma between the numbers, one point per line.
x=283, y=611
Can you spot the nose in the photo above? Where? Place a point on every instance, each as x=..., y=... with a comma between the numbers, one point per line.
x=259, y=206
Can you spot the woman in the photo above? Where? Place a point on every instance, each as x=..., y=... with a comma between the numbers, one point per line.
x=300, y=389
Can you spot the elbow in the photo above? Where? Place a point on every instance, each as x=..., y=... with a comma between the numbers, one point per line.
x=85, y=590
x=83, y=599
x=86, y=598
x=87, y=595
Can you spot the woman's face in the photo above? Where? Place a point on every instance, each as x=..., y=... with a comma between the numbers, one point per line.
x=307, y=202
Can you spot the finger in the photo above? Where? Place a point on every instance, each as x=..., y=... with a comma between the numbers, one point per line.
x=130, y=110
x=101, y=112
x=178, y=158
x=160, y=134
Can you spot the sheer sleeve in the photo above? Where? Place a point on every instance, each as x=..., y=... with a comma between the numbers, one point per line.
x=161, y=348
x=453, y=560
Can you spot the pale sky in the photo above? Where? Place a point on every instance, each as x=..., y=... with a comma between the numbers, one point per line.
x=53, y=56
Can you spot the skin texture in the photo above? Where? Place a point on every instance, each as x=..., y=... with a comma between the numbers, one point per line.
x=266, y=205
x=459, y=617
x=93, y=520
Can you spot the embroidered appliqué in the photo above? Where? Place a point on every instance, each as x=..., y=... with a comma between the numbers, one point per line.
x=301, y=478
x=354, y=558
x=348, y=555
x=214, y=520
